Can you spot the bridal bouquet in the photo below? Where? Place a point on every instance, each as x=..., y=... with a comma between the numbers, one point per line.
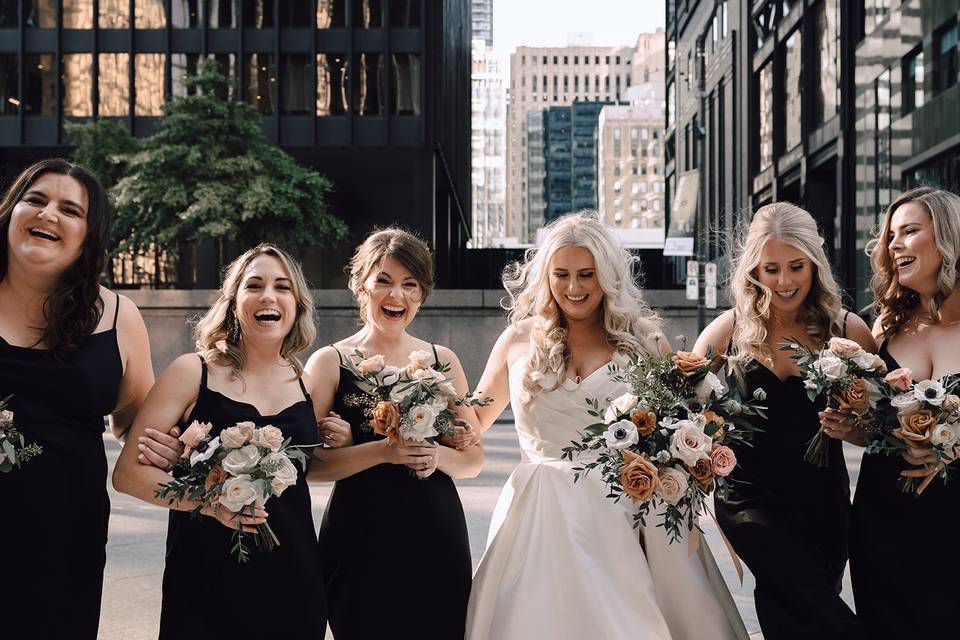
x=242, y=466
x=665, y=441
x=919, y=418
x=844, y=373
x=13, y=451
x=410, y=403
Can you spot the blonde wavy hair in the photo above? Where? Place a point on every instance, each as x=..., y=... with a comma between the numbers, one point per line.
x=632, y=328
x=218, y=336
x=790, y=224
x=896, y=305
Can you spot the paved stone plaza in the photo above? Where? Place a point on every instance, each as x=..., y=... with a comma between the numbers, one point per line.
x=131, y=594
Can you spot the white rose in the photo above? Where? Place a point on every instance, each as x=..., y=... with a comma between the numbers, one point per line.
x=759, y=394
x=905, y=402
x=446, y=387
x=285, y=474
x=943, y=434
x=865, y=360
x=831, y=367
x=930, y=391
x=439, y=403
x=621, y=435
x=389, y=376
x=238, y=492
x=710, y=384
x=421, y=359
x=689, y=443
x=206, y=454
x=233, y=438
x=625, y=403
x=268, y=437
x=673, y=485
x=420, y=420
x=241, y=460
x=373, y=364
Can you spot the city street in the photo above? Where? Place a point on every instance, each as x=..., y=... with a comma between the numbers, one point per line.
x=131, y=596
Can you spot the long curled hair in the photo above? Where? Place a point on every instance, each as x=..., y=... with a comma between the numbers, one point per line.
x=790, y=224
x=218, y=335
x=895, y=305
x=631, y=327
x=73, y=308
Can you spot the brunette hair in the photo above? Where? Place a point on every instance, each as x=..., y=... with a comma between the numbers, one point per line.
x=392, y=242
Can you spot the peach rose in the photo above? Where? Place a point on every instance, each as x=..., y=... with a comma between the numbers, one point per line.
x=645, y=421
x=373, y=364
x=723, y=460
x=638, y=476
x=673, y=485
x=915, y=428
x=216, y=475
x=951, y=403
x=421, y=359
x=196, y=433
x=855, y=397
x=900, y=378
x=234, y=437
x=269, y=437
x=702, y=472
x=689, y=363
x=385, y=419
x=713, y=417
x=844, y=347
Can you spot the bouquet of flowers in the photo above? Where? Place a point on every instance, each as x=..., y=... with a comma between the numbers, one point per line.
x=243, y=465
x=665, y=441
x=410, y=403
x=919, y=418
x=845, y=374
x=13, y=451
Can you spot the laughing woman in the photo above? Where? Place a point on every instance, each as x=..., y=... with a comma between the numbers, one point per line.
x=70, y=352
x=246, y=370
x=394, y=523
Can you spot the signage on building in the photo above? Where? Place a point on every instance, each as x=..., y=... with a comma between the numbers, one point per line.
x=683, y=216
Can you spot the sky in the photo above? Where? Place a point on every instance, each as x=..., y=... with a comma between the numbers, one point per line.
x=547, y=23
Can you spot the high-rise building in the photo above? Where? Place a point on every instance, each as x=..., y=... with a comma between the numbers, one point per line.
x=630, y=160
x=488, y=145
x=481, y=18
x=545, y=77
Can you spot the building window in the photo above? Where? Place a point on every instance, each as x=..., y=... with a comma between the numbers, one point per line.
x=9, y=96
x=555, y=60
x=883, y=160
x=566, y=60
x=332, y=84
x=113, y=83
x=634, y=205
x=793, y=91
x=148, y=83
x=725, y=18
x=913, y=77
x=260, y=80
x=150, y=14
x=616, y=171
x=78, y=14
x=617, y=186
x=295, y=15
x=369, y=84
x=42, y=14
x=258, y=14
x=76, y=73
x=221, y=14
x=295, y=87
x=576, y=59
x=331, y=14
x=405, y=84
x=181, y=66
x=635, y=188
x=945, y=47
x=113, y=14
x=9, y=18
x=643, y=187
x=766, y=116
x=184, y=14
x=405, y=14
x=617, y=143
x=827, y=96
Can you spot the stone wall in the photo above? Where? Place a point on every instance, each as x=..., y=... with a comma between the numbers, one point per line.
x=467, y=321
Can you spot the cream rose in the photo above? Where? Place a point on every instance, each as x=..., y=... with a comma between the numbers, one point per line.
x=723, y=460
x=373, y=364
x=689, y=443
x=673, y=485
x=269, y=437
x=623, y=404
x=900, y=378
x=844, y=348
x=389, y=376
x=233, y=437
x=905, y=402
x=951, y=403
x=638, y=476
x=242, y=460
x=420, y=421
x=710, y=384
x=831, y=367
x=867, y=361
x=942, y=434
x=238, y=492
x=284, y=474
x=421, y=359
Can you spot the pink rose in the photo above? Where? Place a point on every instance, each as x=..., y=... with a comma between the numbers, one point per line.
x=844, y=348
x=723, y=460
x=900, y=378
x=196, y=433
x=421, y=359
x=373, y=364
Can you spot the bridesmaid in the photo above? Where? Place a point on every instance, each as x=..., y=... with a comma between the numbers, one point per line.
x=899, y=593
x=394, y=524
x=246, y=369
x=786, y=518
x=70, y=352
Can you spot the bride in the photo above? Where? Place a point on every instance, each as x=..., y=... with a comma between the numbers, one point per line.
x=562, y=560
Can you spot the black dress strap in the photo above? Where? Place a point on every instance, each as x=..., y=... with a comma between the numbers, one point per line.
x=203, y=372
x=303, y=388
x=116, y=312
x=845, y=317
x=436, y=358
x=339, y=353
x=730, y=339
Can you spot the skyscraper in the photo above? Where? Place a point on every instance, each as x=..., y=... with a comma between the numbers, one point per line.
x=481, y=17
x=488, y=146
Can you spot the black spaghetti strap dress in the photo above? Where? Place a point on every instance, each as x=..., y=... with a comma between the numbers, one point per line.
x=903, y=562
x=387, y=535
x=53, y=531
x=787, y=518
x=277, y=595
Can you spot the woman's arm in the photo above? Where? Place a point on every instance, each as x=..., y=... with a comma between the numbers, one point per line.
x=466, y=462
x=134, y=346
x=716, y=336
x=495, y=380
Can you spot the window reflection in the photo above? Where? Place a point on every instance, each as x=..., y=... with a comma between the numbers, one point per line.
x=187, y=64
x=405, y=84
x=76, y=73
x=296, y=85
x=261, y=79
x=913, y=81
x=405, y=13
x=766, y=116
x=9, y=96
x=41, y=14
x=369, y=79
x=113, y=14
x=332, y=84
x=258, y=14
x=793, y=90
x=828, y=90
x=149, y=14
x=367, y=14
x=78, y=14
x=221, y=14
x=114, y=84
x=39, y=85
x=295, y=14
x=149, y=78
x=331, y=14
x=185, y=14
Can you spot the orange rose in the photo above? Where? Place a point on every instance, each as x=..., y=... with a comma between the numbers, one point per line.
x=710, y=416
x=915, y=428
x=638, y=476
x=689, y=363
x=951, y=403
x=645, y=421
x=216, y=475
x=385, y=418
x=702, y=472
x=855, y=397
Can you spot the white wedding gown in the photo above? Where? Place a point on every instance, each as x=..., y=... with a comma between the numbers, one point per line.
x=563, y=561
